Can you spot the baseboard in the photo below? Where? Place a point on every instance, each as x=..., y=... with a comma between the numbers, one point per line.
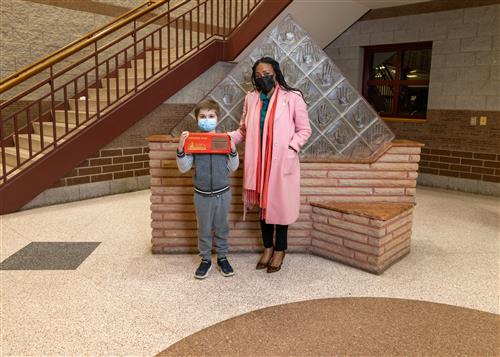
x=459, y=184
x=73, y=193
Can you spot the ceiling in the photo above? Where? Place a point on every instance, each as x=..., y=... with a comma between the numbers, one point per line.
x=377, y=4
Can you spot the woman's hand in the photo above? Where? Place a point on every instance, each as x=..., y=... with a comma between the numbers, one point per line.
x=182, y=140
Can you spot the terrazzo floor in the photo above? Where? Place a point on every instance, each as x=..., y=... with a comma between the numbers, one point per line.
x=122, y=300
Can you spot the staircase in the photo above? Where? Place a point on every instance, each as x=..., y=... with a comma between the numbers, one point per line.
x=97, y=87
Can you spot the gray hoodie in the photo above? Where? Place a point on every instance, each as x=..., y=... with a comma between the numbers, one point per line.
x=211, y=174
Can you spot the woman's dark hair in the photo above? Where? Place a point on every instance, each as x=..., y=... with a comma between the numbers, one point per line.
x=278, y=74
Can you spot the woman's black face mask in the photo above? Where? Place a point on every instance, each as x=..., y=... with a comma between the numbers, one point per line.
x=265, y=83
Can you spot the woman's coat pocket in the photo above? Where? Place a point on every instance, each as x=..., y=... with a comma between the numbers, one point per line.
x=291, y=162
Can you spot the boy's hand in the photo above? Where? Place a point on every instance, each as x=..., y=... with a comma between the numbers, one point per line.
x=182, y=140
x=233, y=145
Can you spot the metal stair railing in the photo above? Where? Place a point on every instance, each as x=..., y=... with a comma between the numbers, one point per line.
x=50, y=100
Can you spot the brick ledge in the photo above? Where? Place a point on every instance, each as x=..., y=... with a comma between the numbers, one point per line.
x=160, y=138
x=379, y=211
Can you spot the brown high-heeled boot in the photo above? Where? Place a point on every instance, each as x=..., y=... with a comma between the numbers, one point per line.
x=272, y=268
x=263, y=262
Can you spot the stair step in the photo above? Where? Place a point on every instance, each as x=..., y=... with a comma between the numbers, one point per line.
x=11, y=156
x=115, y=82
x=48, y=128
x=82, y=105
x=140, y=65
x=149, y=59
x=23, y=141
x=103, y=94
x=8, y=168
x=164, y=58
x=140, y=71
x=61, y=116
x=36, y=141
x=164, y=52
x=131, y=73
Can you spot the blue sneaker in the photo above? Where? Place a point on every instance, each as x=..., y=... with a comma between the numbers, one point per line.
x=224, y=267
x=203, y=269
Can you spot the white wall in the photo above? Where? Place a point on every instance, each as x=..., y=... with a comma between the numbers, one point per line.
x=465, y=65
x=324, y=20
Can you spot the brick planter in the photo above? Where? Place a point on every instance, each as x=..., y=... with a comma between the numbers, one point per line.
x=391, y=177
x=370, y=236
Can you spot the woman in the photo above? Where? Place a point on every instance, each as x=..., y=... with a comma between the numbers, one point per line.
x=275, y=126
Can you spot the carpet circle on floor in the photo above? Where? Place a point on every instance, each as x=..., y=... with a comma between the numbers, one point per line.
x=349, y=327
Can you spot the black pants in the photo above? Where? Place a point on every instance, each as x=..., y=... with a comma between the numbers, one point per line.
x=268, y=232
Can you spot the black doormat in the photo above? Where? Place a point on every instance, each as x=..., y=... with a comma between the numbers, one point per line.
x=49, y=256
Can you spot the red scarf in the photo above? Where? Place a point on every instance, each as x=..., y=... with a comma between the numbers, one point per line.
x=259, y=196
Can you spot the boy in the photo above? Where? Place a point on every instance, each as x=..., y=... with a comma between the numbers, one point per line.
x=212, y=196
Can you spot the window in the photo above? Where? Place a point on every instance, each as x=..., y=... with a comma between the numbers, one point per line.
x=396, y=79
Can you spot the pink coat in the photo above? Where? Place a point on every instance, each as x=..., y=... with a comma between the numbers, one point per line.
x=291, y=127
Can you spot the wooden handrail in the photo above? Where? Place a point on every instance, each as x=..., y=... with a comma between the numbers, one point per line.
x=55, y=103
x=75, y=46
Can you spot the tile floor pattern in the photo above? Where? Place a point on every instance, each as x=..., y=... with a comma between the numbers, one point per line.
x=124, y=300
x=49, y=256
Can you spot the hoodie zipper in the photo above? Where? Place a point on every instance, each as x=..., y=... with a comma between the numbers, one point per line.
x=211, y=175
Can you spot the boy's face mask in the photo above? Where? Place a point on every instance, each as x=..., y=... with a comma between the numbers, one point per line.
x=207, y=122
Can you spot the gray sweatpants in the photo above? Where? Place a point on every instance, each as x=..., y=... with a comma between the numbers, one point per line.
x=211, y=214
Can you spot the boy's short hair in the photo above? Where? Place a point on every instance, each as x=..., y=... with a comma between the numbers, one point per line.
x=207, y=104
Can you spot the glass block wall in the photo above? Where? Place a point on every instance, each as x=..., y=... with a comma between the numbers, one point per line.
x=344, y=126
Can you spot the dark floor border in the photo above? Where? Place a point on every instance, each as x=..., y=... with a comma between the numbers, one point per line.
x=351, y=326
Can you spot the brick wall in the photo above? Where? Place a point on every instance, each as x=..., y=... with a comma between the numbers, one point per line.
x=108, y=164
x=126, y=156
x=453, y=148
x=469, y=165
x=392, y=178
x=464, y=82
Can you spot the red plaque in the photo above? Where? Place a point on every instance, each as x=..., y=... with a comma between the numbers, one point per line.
x=207, y=143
